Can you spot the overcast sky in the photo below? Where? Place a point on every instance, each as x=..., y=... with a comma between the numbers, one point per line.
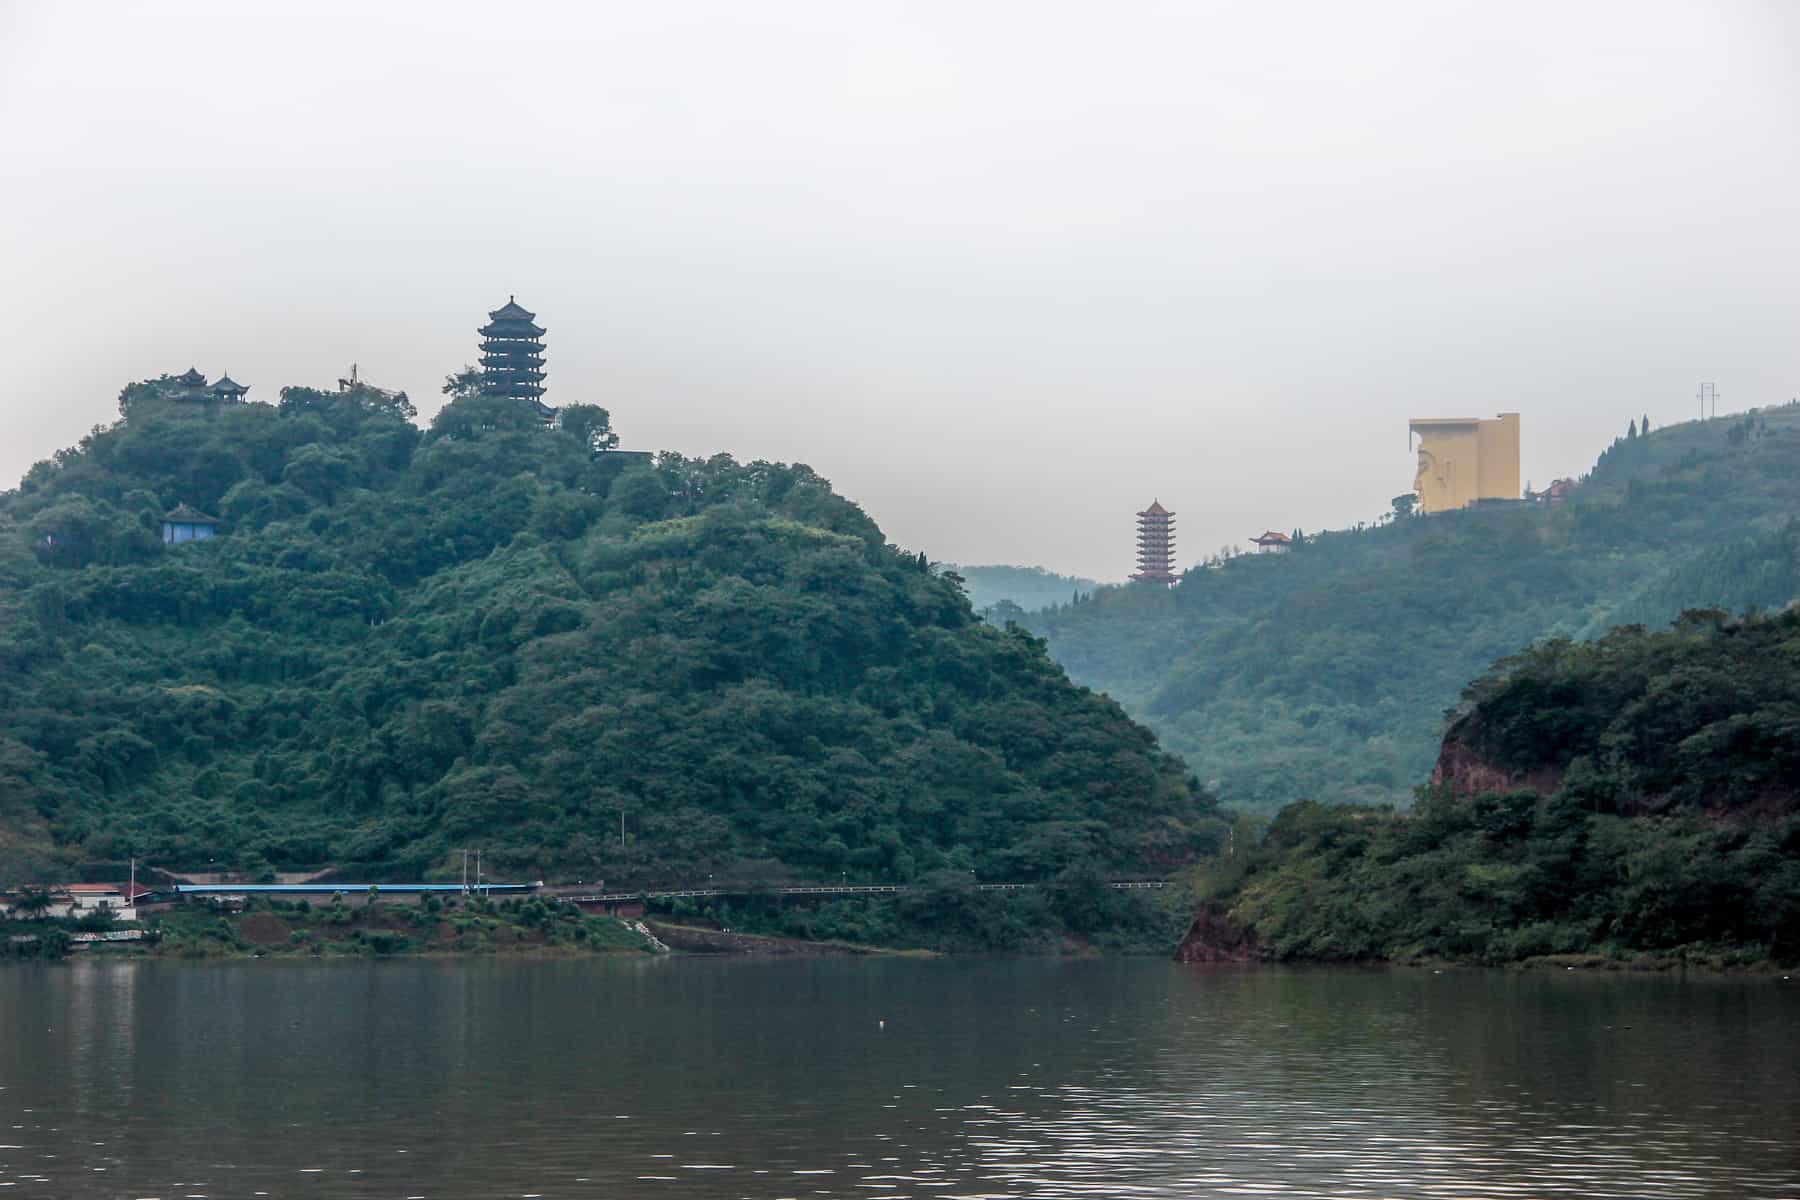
x=1002, y=272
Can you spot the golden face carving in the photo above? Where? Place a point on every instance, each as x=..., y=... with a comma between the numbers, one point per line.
x=1427, y=471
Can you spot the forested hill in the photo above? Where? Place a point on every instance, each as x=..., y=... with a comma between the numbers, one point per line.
x=494, y=634
x=1325, y=673
x=1634, y=796
x=1701, y=717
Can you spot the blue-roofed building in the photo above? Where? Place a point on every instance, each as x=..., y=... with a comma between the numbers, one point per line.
x=185, y=523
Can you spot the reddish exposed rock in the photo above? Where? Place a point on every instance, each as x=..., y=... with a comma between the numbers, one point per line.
x=1215, y=938
x=1468, y=774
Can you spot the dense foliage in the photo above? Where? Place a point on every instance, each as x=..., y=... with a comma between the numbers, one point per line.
x=1705, y=716
x=945, y=911
x=499, y=635
x=1324, y=673
x=1696, y=725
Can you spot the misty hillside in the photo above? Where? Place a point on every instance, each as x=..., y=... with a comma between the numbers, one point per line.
x=1027, y=588
x=1325, y=673
x=496, y=634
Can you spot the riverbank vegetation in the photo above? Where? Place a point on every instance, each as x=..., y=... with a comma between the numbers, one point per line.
x=335, y=929
x=493, y=633
x=1635, y=799
x=1076, y=913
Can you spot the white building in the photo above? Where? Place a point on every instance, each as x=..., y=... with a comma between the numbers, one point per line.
x=77, y=900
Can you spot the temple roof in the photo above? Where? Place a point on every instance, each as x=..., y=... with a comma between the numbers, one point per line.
x=187, y=514
x=192, y=378
x=512, y=311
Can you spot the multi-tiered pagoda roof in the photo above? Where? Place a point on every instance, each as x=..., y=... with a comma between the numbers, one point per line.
x=191, y=385
x=512, y=356
x=1156, y=545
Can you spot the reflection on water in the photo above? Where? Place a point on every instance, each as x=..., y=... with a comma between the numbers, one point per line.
x=889, y=1078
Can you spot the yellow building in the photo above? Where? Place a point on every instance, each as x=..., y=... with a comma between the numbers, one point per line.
x=1465, y=459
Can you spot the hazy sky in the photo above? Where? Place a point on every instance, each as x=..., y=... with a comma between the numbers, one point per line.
x=1002, y=271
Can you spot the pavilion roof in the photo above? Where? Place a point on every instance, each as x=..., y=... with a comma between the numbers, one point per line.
x=1156, y=510
x=191, y=378
x=187, y=514
x=225, y=383
x=1272, y=538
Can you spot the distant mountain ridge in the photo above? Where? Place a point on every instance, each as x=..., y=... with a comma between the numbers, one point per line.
x=1030, y=588
x=1325, y=672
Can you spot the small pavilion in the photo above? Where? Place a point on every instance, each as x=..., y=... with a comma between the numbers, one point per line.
x=226, y=390
x=185, y=523
x=191, y=386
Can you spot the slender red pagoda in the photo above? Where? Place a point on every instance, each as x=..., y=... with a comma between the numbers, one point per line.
x=1156, y=545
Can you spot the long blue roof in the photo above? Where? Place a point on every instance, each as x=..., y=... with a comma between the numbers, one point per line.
x=240, y=889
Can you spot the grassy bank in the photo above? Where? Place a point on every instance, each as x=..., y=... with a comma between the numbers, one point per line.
x=299, y=929
x=1078, y=914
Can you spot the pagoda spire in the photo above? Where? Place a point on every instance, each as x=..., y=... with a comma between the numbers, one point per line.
x=512, y=356
x=1156, y=545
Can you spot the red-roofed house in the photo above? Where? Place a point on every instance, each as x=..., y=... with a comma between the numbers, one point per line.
x=1271, y=542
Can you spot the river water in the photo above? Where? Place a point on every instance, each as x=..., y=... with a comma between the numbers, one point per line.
x=889, y=1078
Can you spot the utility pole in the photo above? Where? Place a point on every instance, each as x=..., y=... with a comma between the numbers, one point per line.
x=465, y=872
x=1709, y=398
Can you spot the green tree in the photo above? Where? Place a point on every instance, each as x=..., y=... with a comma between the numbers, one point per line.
x=588, y=424
x=32, y=902
x=464, y=384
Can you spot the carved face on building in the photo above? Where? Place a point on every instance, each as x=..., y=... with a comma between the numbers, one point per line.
x=1428, y=472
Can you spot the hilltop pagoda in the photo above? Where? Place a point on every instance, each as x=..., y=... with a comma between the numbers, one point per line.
x=512, y=357
x=191, y=386
x=1156, y=545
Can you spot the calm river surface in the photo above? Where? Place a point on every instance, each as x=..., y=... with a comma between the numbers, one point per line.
x=889, y=1077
